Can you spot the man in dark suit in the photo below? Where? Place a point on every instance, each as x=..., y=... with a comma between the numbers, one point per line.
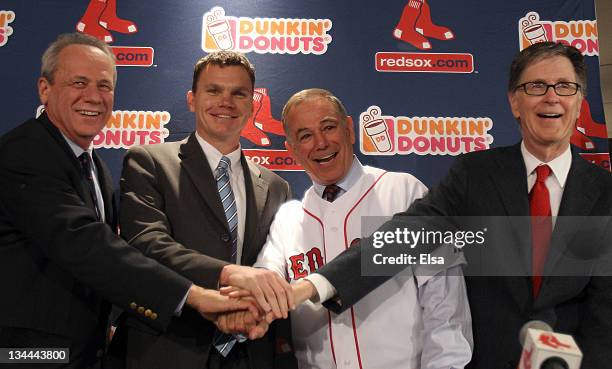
x=199, y=207
x=61, y=262
x=540, y=176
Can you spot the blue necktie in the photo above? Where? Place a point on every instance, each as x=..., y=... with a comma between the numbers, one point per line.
x=225, y=342
x=228, y=201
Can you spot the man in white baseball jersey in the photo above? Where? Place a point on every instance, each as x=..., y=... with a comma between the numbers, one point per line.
x=408, y=322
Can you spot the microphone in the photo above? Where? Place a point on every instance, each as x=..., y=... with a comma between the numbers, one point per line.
x=545, y=349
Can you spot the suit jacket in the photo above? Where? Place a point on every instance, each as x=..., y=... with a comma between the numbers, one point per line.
x=170, y=210
x=58, y=265
x=494, y=182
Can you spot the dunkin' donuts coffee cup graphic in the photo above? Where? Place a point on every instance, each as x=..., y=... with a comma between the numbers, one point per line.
x=219, y=28
x=376, y=129
x=532, y=29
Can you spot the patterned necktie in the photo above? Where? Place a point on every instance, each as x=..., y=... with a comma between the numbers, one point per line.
x=225, y=342
x=86, y=169
x=541, y=225
x=331, y=192
x=228, y=201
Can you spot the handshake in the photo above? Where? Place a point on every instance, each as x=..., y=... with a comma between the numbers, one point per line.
x=251, y=300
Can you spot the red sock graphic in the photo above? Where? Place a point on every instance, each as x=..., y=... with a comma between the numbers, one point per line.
x=405, y=29
x=110, y=21
x=90, y=22
x=263, y=117
x=586, y=127
x=261, y=120
x=425, y=26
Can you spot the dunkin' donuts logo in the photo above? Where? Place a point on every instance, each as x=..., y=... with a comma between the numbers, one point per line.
x=582, y=34
x=388, y=135
x=6, y=17
x=264, y=35
x=125, y=129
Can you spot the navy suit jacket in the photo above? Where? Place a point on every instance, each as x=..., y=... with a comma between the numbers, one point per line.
x=493, y=183
x=59, y=266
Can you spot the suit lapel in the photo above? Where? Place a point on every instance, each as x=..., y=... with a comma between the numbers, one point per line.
x=196, y=165
x=79, y=183
x=579, y=194
x=578, y=199
x=57, y=136
x=256, y=196
x=510, y=179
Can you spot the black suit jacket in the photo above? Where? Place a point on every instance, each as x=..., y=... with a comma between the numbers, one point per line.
x=493, y=182
x=170, y=210
x=58, y=264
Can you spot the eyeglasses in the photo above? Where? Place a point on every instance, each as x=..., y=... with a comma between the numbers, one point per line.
x=541, y=88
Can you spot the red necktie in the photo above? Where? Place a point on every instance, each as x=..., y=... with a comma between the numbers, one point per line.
x=541, y=225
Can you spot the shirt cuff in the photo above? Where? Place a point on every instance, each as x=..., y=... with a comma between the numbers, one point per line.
x=325, y=290
x=179, y=309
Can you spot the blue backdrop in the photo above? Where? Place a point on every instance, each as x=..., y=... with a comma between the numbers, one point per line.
x=422, y=82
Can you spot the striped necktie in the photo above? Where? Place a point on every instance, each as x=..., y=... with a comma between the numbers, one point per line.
x=225, y=342
x=228, y=201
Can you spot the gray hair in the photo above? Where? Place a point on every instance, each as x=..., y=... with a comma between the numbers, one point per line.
x=49, y=58
x=310, y=93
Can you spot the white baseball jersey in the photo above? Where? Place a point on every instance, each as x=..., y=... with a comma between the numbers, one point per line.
x=384, y=329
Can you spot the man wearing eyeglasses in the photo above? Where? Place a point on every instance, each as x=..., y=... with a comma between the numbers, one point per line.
x=539, y=177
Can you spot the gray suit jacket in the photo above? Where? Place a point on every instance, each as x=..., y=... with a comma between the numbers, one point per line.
x=493, y=183
x=170, y=210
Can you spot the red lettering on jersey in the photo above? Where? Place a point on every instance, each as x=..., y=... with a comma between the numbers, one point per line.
x=297, y=266
x=315, y=260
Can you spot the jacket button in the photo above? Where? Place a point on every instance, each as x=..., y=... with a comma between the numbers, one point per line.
x=141, y=310
x=148, y=313
x=133, y=305
x=153, y=316
x=225, y=237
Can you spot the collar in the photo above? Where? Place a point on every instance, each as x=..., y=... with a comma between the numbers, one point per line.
x=348, y=181
x=76, y=149
x=214, y=156
x=560, y=165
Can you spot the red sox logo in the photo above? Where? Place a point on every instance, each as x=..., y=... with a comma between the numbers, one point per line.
x=415, y=25
x=101, y=17
x=262, y=120
x=552, y=341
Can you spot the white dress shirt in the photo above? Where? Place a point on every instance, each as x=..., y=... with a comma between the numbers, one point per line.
x=555, y=183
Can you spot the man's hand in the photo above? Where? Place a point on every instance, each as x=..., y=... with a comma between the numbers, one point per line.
x=303, y=290
x=242, y=322
x=270, y=290
x=209, y=302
